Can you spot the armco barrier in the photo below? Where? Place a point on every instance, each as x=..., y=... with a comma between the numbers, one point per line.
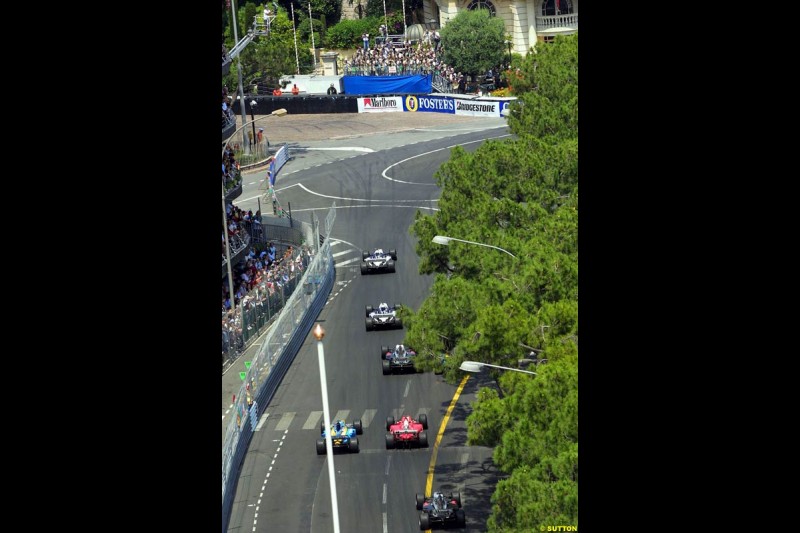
x=273, y=360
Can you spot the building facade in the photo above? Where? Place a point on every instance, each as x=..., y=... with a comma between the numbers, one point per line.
x=527, y=21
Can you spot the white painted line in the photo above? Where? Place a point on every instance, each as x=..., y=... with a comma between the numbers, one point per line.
x=341, y=415
x=388, y=463
x=343, y=253
x=432, y=152
x=312, y=420
x=285, y=420
x=276, y=451
x=261, y=422
x=367, y=417
x=384, y=494
x=309, y=191
x=258, y=503
x=385, y=524
x=408, y=385
x=345, y=149
x=261, y=495
x=378, y=206
x=334, y=242
x=343, y=263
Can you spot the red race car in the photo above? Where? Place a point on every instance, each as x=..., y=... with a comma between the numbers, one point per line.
x=407, y=432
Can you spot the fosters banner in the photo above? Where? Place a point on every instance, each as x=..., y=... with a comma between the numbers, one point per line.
x=435, y=104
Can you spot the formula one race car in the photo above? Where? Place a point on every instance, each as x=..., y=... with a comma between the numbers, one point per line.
x=441, y=510
x=343, y=436
x=397, y=358
x=407, y=432
x=383, y=317
x=377, y=261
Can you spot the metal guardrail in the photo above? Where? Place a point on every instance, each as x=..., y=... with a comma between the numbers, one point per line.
x=270, y=364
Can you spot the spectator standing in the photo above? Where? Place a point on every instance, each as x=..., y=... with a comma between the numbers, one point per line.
x=365, y=38
x=295, y=90
x=331, y=89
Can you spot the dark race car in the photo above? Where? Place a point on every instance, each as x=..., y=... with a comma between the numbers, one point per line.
x=398, y=358
x=378, y=261
x=383, y=317
x=407, y=432
x=343, y=436
x=440, y=510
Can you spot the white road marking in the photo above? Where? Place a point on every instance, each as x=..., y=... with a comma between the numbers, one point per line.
x=388, y=463
x=343, y=253
x=285, y=420
x=261, y=422
x=334, y=242
x=343, y=263
x=367, y=417
x=408, y=385
x=385, y=524
x=312, y=420
x=341, y=415
x=384, y=494
x=309, y=191
x=345, y=149
x=379, y=206
x=432, y=152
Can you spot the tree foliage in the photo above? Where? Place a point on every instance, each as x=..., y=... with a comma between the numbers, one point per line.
x=520, y=195
x=474, y=41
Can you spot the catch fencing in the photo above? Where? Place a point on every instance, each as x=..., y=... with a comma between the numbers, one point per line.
x=269, y=365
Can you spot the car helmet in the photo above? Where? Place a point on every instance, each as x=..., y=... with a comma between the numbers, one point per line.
x=383, y=308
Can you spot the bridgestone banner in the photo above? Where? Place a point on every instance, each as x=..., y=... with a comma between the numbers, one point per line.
x=478, y=108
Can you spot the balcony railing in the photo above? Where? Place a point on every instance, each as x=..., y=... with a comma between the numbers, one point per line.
x=552, y=22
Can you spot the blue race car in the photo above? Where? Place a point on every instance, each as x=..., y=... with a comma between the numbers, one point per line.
x=343, y=436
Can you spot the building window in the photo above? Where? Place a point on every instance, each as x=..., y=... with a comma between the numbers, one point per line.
x=548, y=38
x=483, y=4
x=556, y=7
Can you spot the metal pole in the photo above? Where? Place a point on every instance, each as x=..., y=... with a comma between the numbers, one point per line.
x=227, y=245
x=385, y=19
x=319, y=333
x=253, y=119
x=245, y=145
x=290, y=214
x=313, y=48
x=404, y=21
x=296, y=54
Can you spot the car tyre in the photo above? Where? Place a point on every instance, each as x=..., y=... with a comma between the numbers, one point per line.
x=393, y=253
x=321, y=447
x=364, y=268
x=424, y=522
x=390, y=266
x=389, y=422
x=353, y=445
x=368, y=324
x=364, y=255
x=457, y=498
x=358, y=426
x=387, y=368
x=423, y=419
x=461, y=518
x=390, y=444
x=369, y=309
x=384, y=349
x=423, y=439
x=420, y=501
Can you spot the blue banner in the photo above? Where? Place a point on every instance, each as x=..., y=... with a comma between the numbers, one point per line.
x=431, y=104
x=416, y=84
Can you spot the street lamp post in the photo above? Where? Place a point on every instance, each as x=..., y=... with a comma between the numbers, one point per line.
x=253, y=104
x=475, y=366
x=441, y=239
x=319, y=333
